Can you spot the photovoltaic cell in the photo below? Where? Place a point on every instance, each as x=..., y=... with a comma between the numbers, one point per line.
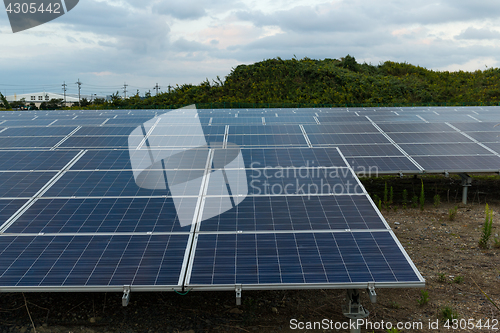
x=292, y=157
x=428, y=137
x=96, y=142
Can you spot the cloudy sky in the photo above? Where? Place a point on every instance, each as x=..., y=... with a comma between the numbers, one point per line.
x=106, y=43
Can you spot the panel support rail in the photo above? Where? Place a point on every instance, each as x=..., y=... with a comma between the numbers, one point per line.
x=38, y=194
x=304, y=133
x=395, y=144
x=65, y=138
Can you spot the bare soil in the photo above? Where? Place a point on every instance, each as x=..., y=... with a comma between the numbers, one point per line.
x=445, y=252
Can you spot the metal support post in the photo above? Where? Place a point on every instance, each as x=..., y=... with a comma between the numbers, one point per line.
x=238, y=295
x=126, y=295
x=466, y=182
x=354, y=310
x=372, y=293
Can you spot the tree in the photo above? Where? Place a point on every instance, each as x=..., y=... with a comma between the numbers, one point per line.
x=4, y=101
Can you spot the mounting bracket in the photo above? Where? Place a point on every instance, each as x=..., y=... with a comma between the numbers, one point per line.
x=238, y=294
x=354, y=310
x=372, y=293
x=126, y=295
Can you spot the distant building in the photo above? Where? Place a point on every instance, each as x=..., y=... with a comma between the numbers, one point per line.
x=40, y=97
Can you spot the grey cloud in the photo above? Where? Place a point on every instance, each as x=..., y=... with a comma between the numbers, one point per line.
x=190, y=9
x=478, y=34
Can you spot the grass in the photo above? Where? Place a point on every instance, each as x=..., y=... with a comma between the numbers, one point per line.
x=422, y=197
x=458, y=279
x=487, y=227
x=452, y=213
x=442, y=277
x=424, y=297
x=414, y=202
x=447, y=313
x=437, y=201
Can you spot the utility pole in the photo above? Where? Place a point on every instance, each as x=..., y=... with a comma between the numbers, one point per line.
x=169, y=86
x=64, y=89
x=125, y=85
x=79, y=87
x=156, y=87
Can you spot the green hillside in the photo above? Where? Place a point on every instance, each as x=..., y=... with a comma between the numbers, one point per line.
x=330, y=82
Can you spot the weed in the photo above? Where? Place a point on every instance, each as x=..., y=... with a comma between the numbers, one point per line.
x=422, y=197
x=437, y=200
x=394, y=305
x=486, y=230
x=395, y=208
x=391, y=196
x=458, y=279
x=405, y=198
x=393, y=330
x=448, y=313
x=441, y=277
x=496, y=243
x=452, y=213
x=424, y=297
x=414, y=202
x=386, y=192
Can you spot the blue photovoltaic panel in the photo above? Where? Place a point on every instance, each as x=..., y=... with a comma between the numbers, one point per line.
x=289, y=181
x=27, y=122
x=295, y=140
x=57, y=261
x=477, y=127
x=103, y=160
x=338, y=139
x=297, y=119
x=369, y=150
x=416, y=127
x=101, y=215
x=313, y=212
x=340, y=128
x=22, y=184
x=100, y=183
x=428, y=137
x=35, y=160
x=128, y=121
x=105, y=131
x=79, y=121
x=96, y=142
x=485, y=136
x=445, y=149
x=459, y=163
x=371, y=166
x=261, y=129
x=29, y=142
x=8, y=208
x=299, y=258
x=291, y=157
x=38, y=131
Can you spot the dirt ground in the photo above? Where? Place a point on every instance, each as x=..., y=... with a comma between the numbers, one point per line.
x=446, y=253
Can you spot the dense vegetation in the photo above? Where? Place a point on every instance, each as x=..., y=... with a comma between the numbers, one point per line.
x=328, y=82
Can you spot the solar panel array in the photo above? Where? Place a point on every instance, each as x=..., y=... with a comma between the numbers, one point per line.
x=73, y=218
